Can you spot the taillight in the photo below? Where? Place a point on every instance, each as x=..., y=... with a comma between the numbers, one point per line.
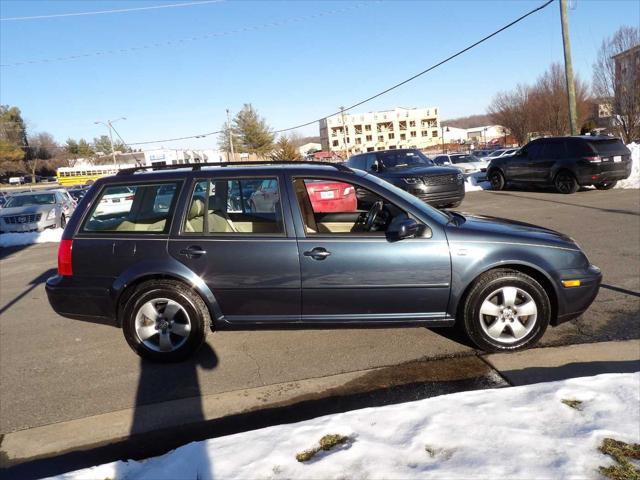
x=595, y=159
x=64, y=258
x=348, y=191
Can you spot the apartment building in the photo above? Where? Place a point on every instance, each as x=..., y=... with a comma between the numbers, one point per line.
x=384, y=130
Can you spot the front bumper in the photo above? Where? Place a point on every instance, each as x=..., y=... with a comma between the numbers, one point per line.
x=74, y=298
x=437, y=196
x=26, y=227
x=574, y=301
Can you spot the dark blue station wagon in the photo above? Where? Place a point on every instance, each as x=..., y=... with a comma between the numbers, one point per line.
x=169, y=254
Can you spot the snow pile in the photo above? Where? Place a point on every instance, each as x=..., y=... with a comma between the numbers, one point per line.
x=521, y=432
x=27, y=238
x=473, y=183
x=634, y=179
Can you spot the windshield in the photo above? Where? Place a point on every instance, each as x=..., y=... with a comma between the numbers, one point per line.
x=463, y=159
x=404, y=158
x=413, y=200
x=25, y=200
x=480, y=153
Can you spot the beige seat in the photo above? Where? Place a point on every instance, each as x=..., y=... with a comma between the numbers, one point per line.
x=195, y=217
x=305, y=206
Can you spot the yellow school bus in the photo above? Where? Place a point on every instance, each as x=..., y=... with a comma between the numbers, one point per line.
x=68, y=176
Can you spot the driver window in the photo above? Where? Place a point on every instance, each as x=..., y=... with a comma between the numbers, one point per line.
x=336, y=207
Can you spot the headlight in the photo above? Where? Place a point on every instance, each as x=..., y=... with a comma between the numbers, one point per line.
x=52, y=214
x=460, y=176
x=412, y=180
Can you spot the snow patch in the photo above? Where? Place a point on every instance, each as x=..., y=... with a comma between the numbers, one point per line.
x=473, y=183
x=634, y=179
x=516, y=433
x=27, y=238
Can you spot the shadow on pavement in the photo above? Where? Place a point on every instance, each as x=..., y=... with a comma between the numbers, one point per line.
x=620, y=290
x=40, y=279
x=6, y=252
x=527, y=376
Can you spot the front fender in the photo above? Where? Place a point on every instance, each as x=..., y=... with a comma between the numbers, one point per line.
x=166, y=268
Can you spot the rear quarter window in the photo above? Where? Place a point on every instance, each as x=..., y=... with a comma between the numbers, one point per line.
x=606, y=148
x=140, y=209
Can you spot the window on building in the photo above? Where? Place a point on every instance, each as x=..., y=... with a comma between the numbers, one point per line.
x=381, y=138
x=412, y=123
x=369, y=138
x=358, y=141
x=367, y=128
x=403, y=136
x=424, y=133
x=335, y=143
x=434, y=134
x=392, y=136
x=413, y=133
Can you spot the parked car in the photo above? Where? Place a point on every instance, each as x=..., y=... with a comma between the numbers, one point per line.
x=567, y=163
x=77, y=193
x=412, y=171
x=481, y=153
x=35, y=211
x=329, y=196
x=167, y=277
x=118, y=200
x=3, y=198
x=463, y=162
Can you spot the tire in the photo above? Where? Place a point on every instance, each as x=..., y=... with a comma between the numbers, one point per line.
x=506, y=330
x=605, y=185
x=189, y=313
x=453, y=205
x=497, y=180
x=63, y=221
x=565, y=182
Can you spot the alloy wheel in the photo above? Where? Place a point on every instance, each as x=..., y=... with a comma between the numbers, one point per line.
x=162, y=325
x=508, y=314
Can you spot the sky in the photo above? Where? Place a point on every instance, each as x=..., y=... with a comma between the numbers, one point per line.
x=295, y=61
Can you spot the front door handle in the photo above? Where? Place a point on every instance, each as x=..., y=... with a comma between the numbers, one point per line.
x=317, y=253
x=193, y=252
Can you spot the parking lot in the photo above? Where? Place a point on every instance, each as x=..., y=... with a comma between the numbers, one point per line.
x=55, y=369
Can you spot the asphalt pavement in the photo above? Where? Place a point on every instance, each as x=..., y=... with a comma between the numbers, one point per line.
x=54, y=369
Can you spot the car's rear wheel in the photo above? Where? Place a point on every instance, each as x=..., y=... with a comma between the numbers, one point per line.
x=606, y=185
x=565, y=182
x=506, y=310
x=165, y=321
x=497, y=180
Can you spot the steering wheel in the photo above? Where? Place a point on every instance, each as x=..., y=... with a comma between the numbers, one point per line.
x=372, y=215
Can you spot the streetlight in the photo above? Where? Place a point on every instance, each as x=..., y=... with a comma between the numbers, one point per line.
x=442, y=128
x=109, y=125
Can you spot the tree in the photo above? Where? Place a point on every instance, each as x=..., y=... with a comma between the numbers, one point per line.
x=622, y=91
x=103, y=144
x=285, y=150
x=42, y=146
x=223, y=139
x=511, y=110
x=252, y=132
x=75, y=149
x=13, y=139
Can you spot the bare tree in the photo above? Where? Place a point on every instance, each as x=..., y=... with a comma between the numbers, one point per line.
x=42, y=146
x=623, y=92
x=511, y=110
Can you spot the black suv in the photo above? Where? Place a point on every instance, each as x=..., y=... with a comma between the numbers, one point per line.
x=412, y=171
x=567, y=163
x=192, y=249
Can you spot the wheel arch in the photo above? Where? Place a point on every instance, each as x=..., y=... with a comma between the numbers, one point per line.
x=125, y=285
x=534, y=272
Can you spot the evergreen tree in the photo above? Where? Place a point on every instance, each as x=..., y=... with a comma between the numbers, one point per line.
x=285, y=150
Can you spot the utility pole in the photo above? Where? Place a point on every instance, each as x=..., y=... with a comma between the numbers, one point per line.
x=568, y=68
x=233, y=155
x=109, y=125
x=344, y=132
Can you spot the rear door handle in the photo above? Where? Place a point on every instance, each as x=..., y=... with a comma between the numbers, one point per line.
x=317, y=253
x=193, y=251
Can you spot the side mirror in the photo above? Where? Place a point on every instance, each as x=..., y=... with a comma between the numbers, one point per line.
x=406, y=229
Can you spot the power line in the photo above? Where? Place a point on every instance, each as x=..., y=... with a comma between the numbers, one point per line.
x=180, y=41
x=103, y=12
x=385, y=91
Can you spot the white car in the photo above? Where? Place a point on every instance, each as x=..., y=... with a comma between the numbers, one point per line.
x=118, y=199
x=465, y=163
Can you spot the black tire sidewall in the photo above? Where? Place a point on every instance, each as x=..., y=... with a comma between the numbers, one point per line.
x=477, y=296
x=574, y=187
x=181, y=295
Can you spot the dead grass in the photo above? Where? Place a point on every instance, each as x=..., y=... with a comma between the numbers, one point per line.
x=621, y=452
x=573, y=403
x=326, y=443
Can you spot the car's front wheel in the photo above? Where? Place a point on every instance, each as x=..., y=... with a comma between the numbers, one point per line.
x=165, y=321
x=497, y=180
x=506, y=310
x=606, y=185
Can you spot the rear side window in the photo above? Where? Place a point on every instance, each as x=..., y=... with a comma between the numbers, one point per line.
x=133, y=209
x=606, y=148
x=554, y=150
x=235, y=206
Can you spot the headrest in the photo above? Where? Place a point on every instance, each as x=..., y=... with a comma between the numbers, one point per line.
x=196, y=210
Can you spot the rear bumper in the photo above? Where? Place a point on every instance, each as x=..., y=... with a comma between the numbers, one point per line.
x=73, y=298
x=574, y=301
x=603, y=172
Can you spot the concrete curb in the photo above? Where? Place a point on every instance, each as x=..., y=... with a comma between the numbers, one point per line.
x=154, y=429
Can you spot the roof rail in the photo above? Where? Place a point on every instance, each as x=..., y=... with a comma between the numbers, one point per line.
x=198, y=166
